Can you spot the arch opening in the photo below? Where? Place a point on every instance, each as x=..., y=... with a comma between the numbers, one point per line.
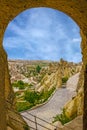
x=74, y=40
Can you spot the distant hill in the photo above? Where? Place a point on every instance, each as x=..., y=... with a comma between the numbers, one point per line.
x=43, y=77
x=51, y=73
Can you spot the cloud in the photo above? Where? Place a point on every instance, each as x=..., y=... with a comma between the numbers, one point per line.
x=76, y=39
x=43, y=33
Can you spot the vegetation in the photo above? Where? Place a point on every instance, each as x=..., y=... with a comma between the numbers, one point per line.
x=64, y=79
x=38, y=68
x=46, y=94
x=63, y=118
x=21, y=85
x=26, y=127
x=22, y=106
x=32, y=98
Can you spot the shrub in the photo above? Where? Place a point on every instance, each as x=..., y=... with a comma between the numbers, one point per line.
x=46, y=94
x=31, y=96
x=38, y=68
x=64, y=79
x=20, y=84
x=30, y=85
x=22, y=106
x=62, y=118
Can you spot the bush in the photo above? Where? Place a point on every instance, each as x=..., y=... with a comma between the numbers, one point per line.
x=64, y=79
x=31, y=97
x=20, y=84
x=62, y=118
x=30, y=85
x=22, y=106
x=46, y=94
x=38, y=68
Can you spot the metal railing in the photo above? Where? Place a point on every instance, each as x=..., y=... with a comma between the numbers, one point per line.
x=36, y=124
x=35, y=119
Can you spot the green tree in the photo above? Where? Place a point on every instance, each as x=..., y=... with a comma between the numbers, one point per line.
x=38, y=68
x=31, y=97
x=19, y=84
x=64, y=79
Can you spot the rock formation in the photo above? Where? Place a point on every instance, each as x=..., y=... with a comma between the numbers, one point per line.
x=76, y=124
x=56, y=71
x=75, y=106
x=50, y=75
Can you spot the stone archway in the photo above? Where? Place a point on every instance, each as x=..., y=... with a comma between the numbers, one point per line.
x=10, y=9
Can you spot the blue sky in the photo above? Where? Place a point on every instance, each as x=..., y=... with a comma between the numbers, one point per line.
x=43, y=34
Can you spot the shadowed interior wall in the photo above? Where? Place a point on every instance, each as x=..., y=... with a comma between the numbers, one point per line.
x=76, y=9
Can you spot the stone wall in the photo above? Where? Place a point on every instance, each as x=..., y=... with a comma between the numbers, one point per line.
x=9, y=9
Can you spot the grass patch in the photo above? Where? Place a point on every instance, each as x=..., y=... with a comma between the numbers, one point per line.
x=46, y=94
x=63, y=118
x=22, y=106
x=21, y=85
x=32, y=98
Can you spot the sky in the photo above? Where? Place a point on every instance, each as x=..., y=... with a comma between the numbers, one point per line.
x=43, y=34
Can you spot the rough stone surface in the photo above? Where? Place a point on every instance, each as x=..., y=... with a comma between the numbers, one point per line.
x=8, y=128
x=2, y=92
x=75, y=106
x=10, y=9
x=55, y=74
x=76, y=124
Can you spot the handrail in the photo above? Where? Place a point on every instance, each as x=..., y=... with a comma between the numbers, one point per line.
x=29, y=120
x=41, y=119
x=35, y=122
x=22, y=123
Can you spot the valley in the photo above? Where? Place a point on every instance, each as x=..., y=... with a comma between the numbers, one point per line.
x=45, y=88
x=34, y=81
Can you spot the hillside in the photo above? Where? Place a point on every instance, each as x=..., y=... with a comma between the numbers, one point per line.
x=37, y=80
x=42, y=74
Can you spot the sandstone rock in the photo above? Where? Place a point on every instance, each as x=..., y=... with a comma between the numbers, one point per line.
x=75, y=106
x=58, y=124
x=76, y=124
x=9, y=128
x=56, y=72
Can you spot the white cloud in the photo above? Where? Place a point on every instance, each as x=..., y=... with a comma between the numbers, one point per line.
x=43, y=34
x=76, y=39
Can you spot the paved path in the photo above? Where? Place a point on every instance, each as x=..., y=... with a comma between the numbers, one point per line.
x=53, y=107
